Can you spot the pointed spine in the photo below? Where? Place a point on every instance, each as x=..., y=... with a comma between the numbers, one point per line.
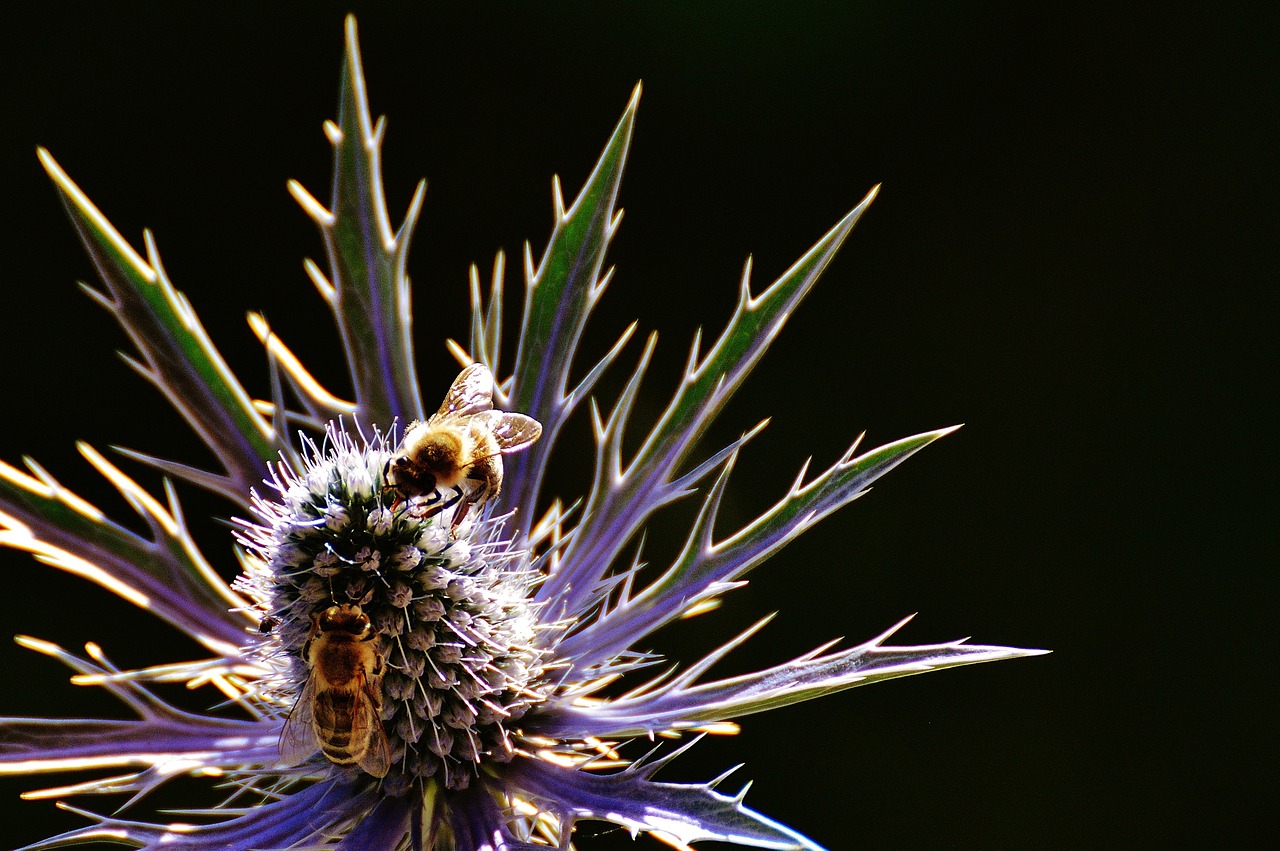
x=559, y=297
x=166, y=575
x=681, y=704
x=177, y=355
x=619, y=505
x=697, y=573
x=367, y=288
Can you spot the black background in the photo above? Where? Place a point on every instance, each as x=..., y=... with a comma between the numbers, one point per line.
x=1067, y=255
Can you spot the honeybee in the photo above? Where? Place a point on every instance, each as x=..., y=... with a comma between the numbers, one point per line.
x=455, y=457
x=339, y=711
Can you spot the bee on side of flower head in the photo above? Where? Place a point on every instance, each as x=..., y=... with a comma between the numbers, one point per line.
x=339, y=711
x=455, y=456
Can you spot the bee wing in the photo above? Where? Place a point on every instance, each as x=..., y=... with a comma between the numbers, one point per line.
x=471, y=392
x=298, y=739
x=367, y=726
x=512, y=431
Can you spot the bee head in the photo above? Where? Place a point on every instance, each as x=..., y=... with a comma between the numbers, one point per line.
x=346, y=618
x=397, y=467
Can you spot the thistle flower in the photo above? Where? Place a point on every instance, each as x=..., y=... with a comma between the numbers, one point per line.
x=494, y=657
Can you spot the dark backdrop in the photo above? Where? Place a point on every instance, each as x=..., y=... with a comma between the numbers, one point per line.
x=1066, y=256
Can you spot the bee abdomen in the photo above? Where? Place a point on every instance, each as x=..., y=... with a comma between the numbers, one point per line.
x=334, y=711
x=340, y=755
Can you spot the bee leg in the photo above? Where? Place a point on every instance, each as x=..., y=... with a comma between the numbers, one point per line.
x=464, y=504
x=396, y=500
x=431, y=509
x=481, y=491
x=418, y=511
x=428, y=504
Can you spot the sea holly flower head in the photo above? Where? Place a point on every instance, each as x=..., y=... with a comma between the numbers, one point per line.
x=453, y=663
x=451, y=622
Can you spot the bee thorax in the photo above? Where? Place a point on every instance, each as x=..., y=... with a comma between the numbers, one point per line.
x=441, y=454
x=445, y=454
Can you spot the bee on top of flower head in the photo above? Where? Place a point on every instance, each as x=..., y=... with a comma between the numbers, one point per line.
x=455, y=456
x=339, y=712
